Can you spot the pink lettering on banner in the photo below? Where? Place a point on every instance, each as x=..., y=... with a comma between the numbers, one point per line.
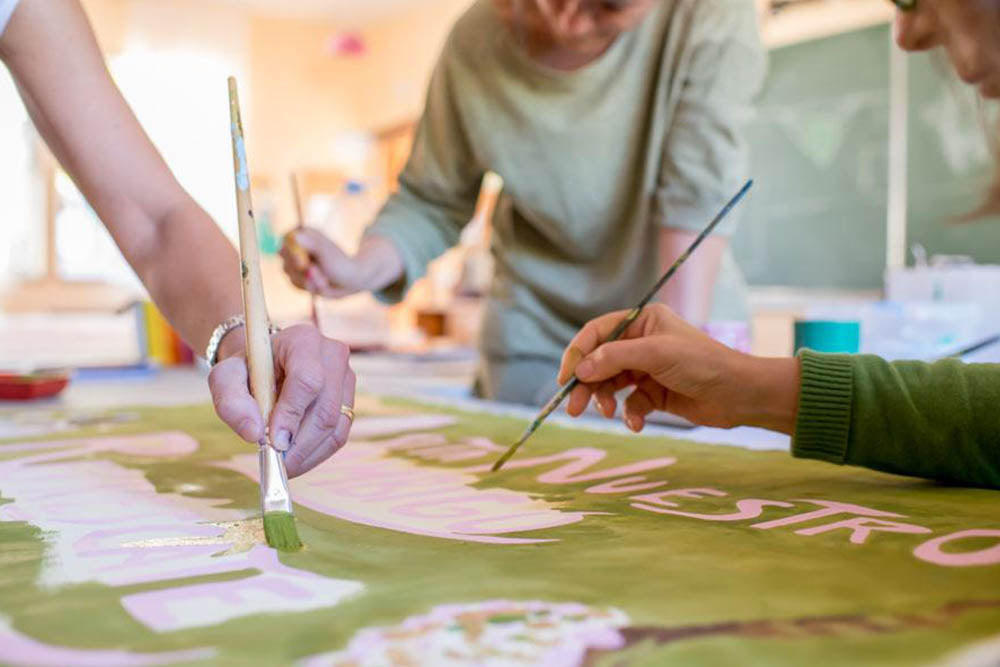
x=274, y=589
x=661, y=497
x=510, y=523
x=406, y=443
x=368, y=484
x=931, y=551
x=748, y=508
x=862, y=527
x=451, y=453
x=581, y=459
x=450, y=506
x=625, y=485
x=377, y=427
x=375, y=482
x=469, y=449
x=121, y=531
x=830, y=508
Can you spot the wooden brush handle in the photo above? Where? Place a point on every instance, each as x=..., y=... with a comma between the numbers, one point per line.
x=300, y=254
x=489, y=197
x=259, y=356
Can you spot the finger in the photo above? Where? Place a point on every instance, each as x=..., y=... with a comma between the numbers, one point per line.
x=297, y=355
x=297, y=277
x=336, y=292
x=578, y=400
x=586, y=341
x=622, y=380
x=343, y=430
x=297, y=463
x=643, y=355
x=567, y=368
x=296, y=251
x=232, y=400
x=316, y=276
x=605, y=399
x=323, y=416
x=322, y=250
x=637, y=406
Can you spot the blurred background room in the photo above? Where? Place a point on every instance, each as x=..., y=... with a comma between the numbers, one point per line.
x=332, y=92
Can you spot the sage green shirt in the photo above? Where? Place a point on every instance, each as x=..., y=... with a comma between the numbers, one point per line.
x=595, y=162
x=940, y=421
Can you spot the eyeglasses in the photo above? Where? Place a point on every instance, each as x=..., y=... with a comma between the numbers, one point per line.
x=905, y=5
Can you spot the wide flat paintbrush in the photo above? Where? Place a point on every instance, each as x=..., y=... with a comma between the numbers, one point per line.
x=551, y=406
x=275, y=500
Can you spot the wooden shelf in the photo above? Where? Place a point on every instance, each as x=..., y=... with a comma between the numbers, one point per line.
x=815, y=19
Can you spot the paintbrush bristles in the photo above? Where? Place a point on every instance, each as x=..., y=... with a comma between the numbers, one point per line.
x=281, y=533
x=632, y=316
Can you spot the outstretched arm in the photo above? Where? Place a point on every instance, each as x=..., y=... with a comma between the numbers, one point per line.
x=937, y=421
x=181, y=256
x=189, y=267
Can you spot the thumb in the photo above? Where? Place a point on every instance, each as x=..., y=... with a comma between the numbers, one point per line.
x=326, y=253
x=644, y=355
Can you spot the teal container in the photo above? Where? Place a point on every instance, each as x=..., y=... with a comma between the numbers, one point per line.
x=828, y=336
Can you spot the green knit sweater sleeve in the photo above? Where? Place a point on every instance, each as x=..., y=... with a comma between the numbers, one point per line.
x=940, y=421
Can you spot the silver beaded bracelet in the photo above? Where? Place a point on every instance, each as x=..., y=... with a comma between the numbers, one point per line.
x=220, y=332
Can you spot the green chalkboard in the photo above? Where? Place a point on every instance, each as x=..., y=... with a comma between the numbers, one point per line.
x=819, y=142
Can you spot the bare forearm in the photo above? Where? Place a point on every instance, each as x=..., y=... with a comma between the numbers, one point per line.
x=188, y=266
x=689, y=293
x=769, y=392
x=192, y=275
x=381, y=263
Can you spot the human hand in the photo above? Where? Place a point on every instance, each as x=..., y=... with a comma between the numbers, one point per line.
x=674, y=367
x=316, y=264
x=314, y=380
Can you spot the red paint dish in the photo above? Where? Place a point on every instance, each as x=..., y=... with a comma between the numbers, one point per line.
x=30, y=386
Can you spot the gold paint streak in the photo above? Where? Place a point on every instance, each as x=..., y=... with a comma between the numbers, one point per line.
x=240, y=536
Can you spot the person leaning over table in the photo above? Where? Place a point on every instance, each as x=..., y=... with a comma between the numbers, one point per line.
x=939, y=420
x=188, y=266
x=616, y=127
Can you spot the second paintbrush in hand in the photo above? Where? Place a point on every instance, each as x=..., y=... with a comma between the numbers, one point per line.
x=557, y=400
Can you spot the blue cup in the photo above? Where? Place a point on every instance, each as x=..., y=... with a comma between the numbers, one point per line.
x=828, y=336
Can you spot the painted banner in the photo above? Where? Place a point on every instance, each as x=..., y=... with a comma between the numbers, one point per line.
x=132, y=538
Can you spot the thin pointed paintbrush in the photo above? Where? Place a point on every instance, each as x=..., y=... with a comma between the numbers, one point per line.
x=551, y=406
x=275, y=500
x=301, y=255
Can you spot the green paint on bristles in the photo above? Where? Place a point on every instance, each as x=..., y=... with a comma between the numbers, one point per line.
x=280, y=531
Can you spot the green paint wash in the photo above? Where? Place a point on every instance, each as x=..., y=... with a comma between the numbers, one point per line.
x=677, y=589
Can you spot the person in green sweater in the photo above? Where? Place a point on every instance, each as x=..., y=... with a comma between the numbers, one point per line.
x=615, y=125
x=940, y=421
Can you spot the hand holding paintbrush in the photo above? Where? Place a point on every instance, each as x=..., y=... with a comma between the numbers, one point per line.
x=276, y=503
x=632, y=315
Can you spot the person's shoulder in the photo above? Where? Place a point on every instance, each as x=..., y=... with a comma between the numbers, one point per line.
x=713, y=20
x=471, y=34
x=730, y=15
x=722, y=6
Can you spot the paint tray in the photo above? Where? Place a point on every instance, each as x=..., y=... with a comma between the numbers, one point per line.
x=30, y=386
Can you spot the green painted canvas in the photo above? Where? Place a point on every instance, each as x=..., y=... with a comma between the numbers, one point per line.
x=131, y=538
